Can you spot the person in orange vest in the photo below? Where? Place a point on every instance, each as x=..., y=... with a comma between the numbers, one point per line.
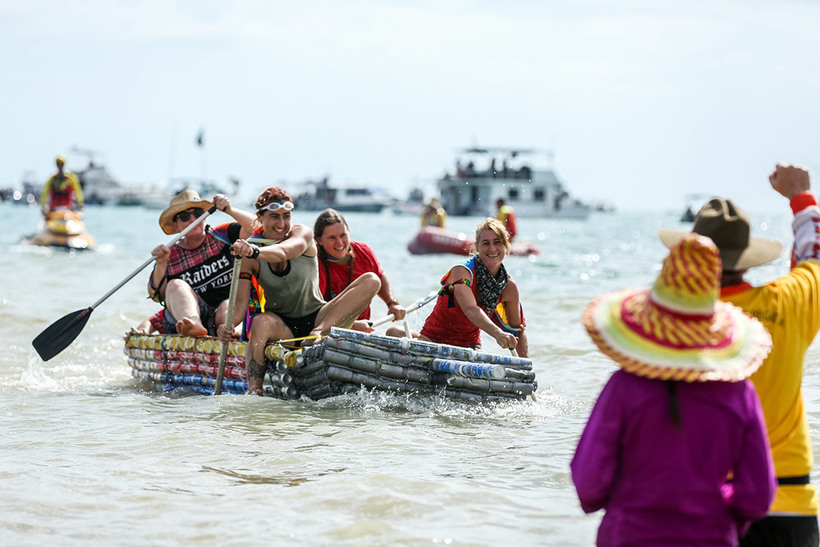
x=62, y=190
x=507, y=217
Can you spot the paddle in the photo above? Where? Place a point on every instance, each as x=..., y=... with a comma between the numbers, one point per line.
x=61, y=333
x=237, y=264
x=411, y=308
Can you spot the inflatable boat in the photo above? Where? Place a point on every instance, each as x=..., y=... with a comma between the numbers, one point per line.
x=343, y=362
x=432, y=239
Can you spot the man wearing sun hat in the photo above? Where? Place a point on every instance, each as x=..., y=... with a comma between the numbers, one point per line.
x=789, y=307
x=679, y=418
x=192, y=279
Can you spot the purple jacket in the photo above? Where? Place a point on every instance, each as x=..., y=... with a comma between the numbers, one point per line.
x=661, y=484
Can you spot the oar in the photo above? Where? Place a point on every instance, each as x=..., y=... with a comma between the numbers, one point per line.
x=237, y=264
x=411, y=308
x=61, y=333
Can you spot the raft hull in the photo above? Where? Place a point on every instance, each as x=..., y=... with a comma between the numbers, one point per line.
x=344, y=362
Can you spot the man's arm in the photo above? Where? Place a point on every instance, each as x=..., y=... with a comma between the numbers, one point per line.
x=78, y=189
x=245, y=219
x=793, y=182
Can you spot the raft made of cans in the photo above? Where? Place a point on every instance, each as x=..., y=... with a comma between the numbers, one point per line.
x=343, y=362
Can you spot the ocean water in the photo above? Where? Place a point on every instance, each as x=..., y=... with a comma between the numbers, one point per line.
x=91, y=457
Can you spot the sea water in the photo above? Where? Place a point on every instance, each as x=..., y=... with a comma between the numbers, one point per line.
x=91, y=457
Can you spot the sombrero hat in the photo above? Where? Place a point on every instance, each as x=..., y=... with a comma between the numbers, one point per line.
x=678, y=329
x=184, y=200
x=729, y=227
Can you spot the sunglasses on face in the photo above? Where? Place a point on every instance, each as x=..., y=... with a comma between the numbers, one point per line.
x=196, y=212
x=275, y=206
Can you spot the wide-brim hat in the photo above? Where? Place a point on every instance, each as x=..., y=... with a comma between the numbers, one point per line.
x=180, y=202
x=728, y=226
x=679, y=329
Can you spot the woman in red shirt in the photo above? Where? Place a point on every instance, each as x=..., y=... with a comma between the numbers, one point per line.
x=342, y=260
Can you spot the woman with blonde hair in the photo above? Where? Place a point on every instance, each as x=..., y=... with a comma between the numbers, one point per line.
x=478, y=295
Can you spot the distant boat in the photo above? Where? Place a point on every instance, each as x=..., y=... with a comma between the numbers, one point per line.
x=319, y=195
x=483, y=175
x=99, y=185
x=158, y=196
x=693, y=204
x=413, y=205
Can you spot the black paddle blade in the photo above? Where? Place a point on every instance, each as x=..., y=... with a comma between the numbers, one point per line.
x=60, y=334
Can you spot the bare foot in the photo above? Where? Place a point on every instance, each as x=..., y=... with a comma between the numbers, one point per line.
x=186, y=327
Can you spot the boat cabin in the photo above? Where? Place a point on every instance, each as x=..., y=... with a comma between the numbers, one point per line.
x=522, y=177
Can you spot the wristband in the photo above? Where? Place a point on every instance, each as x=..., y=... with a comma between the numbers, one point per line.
x=255, y=253
x=393, y=302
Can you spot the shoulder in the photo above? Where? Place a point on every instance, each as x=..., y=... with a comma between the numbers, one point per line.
x=362, y=249
x=463, y=270
x=302, y=231
x=358, y=245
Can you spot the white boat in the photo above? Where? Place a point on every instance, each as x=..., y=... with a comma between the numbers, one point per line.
x=99, y=185
x=319, y=195
x=522, y=177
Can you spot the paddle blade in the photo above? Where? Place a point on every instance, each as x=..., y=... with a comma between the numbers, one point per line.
x=61, y=333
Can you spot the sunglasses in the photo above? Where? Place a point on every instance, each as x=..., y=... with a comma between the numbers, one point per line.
x=196, y=212
x=275, y=206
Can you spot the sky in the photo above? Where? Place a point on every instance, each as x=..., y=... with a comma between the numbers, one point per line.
x=640, y=102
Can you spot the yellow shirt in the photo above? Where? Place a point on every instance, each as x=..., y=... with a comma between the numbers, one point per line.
x=433, y=217
x=66, y=186
x=789, y=307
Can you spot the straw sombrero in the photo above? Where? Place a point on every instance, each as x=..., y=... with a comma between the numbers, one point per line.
x=184, y=200
x=678, y=329
x=728, y=226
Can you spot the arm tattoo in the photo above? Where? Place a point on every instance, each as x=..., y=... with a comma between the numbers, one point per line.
x=255, y=370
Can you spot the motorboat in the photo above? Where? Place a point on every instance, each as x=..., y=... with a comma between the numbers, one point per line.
x=320, y=195
x=694, y=202
x=523, y=177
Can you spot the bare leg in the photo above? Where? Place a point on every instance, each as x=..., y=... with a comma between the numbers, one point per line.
x=362, y=326
x=181, y=301
x=398, y=332
x=265, y=327
x=348, y=305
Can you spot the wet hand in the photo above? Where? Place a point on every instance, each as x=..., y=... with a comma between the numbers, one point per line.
x=242, y=248
x=790, y=180
x=161, y=253
x=397, y=311
x=506, y=340
x=225, y=335
x=222, y=202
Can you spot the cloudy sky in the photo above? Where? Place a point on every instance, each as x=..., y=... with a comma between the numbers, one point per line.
x=641, y=101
